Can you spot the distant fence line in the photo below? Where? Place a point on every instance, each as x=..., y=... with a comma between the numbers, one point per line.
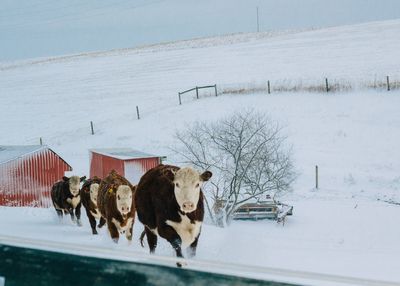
x=197, y=88
x=325, y=85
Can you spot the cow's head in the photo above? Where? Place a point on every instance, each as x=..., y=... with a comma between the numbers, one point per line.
x=187, y=183
x=124, y=199
x=94, y=190
x=74, y=184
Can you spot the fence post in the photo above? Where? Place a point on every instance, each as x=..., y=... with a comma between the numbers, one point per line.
x=197, y=92
x=326, y=85
x=269, y=87
x=179, y=95
x=316, y=176
x=215, y=87
x=91, y=127
x=137, y=112
x=388, y=83
x=41, y=141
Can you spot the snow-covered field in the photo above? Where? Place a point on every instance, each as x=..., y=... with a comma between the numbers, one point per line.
x=340, y=228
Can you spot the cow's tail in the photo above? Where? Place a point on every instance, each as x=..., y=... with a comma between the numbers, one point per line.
x=142, y=237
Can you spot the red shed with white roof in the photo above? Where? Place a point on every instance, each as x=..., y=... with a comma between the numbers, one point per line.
x=131, y=164
x=27, y=174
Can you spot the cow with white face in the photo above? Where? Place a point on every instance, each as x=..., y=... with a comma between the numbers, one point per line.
x=169, y=202
x=116, y=205
x=89, y=193
x=66, y=197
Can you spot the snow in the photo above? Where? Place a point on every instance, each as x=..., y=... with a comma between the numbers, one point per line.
x=340, y=229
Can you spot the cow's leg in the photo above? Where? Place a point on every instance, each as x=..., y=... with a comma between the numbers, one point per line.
x=129, y=231
x=192, y=249
x=102, y=222
x=173, y=237
x=113, y=230
x=92, y=221
x=78, y=214
x=151, y=239
x=59, y=214
x=71, y=212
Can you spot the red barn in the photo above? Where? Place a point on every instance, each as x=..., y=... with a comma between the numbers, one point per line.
x=129, y=163
x=27, y=174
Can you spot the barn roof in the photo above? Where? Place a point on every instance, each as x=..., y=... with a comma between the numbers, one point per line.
x=124, y=153
x=8, y=153
x=12, y=152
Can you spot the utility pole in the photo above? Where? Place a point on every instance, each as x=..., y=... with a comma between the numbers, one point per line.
x=258, y=23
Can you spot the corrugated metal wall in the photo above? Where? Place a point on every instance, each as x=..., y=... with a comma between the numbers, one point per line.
x=132, y=170
x=101, y=165
x=27, y=181
x=135, y=169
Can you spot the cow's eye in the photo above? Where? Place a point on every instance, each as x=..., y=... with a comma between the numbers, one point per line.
x=177, y=185
x=118, y=197
x=197, y=185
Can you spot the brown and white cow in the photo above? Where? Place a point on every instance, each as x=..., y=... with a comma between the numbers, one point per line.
x=116, y=204
x=66, y=198
x=169, y=202
x=89, y=192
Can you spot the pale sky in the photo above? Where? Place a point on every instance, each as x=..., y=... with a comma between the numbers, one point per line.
x=40, y=28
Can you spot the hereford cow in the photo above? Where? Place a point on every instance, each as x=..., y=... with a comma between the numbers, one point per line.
x=66, y=198
x=116, y=204
x=169, y=203
x=89, y=192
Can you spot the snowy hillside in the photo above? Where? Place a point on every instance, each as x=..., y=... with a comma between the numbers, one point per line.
x=39, y=28
x=353, y=137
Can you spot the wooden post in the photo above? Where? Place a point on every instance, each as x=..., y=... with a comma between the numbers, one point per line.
x=215, y=87
x=269, y=87
x=41, y=141
x=91, y=127
x=179, y=95
x=326, y=85
x=197, y=92
x=388, y=83
x=137, y=112
x=316, y=176
x=258, y=23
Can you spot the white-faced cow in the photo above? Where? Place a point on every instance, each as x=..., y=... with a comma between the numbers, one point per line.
x=89, y=192
x=169, y=202
x=116, y=203
x=66, y=198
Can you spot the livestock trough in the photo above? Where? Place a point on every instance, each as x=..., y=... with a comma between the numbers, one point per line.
x=268, y=209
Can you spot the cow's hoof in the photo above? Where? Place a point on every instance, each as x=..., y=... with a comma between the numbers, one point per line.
x=115, y=240
x=94, y=231
x=79, y=223
x=99, y=226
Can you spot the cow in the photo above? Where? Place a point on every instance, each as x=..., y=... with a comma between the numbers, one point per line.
x=66, y=199
x=169, y=203
x=116, y=204
x=89, y=192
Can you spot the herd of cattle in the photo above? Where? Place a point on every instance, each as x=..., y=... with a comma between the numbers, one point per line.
x=168, y=201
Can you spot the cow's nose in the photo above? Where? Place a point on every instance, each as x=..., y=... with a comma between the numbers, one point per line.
x=188, y=205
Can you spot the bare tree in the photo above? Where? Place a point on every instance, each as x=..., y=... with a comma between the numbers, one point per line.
x=247, y=154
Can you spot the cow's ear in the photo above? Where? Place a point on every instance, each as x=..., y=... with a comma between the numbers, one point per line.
x=83, y=178
x=170, y=174
x=65, y=179
x=206, y=176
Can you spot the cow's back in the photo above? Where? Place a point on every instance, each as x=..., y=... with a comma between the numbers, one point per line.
x=154, y=193
x=57, y=192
